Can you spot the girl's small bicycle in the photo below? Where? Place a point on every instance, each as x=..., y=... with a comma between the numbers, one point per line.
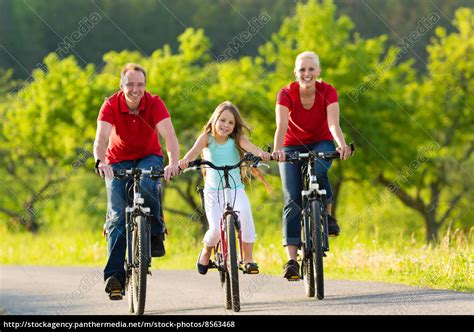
x=225, y=252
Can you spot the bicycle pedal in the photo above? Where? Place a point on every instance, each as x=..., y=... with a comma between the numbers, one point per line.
x=115, y=295
x=212, y=265
x=294, y=278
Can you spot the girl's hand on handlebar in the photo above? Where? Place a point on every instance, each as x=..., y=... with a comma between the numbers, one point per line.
x=279, y=155
x=105, y=170
x=184, y=163
x=264, y=155
x=345, y=151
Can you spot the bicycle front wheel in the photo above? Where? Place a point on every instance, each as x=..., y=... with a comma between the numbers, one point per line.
x=232, y=276
x=307, y=261
x=140, y=244
x=317, y=248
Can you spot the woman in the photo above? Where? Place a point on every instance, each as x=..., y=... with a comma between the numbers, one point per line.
x=307, y=113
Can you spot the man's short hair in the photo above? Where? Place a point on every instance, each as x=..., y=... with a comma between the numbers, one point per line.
x=132, y=66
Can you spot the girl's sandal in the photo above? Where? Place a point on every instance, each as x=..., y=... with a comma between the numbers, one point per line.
x=250, y=268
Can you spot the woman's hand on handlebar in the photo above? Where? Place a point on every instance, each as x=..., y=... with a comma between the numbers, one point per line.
x=344, y=151
x=279, y=155
x=105, y=170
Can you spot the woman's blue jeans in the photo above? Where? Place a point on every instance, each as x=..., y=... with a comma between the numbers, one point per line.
x=292, y=183
x=117, y=191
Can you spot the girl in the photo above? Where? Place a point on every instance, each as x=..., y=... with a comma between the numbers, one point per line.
x=223, y=142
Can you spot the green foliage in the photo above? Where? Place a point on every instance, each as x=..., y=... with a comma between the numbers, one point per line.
x=52, y=116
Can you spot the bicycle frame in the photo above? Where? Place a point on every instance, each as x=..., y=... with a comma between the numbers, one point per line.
x=225, y=254
x=310, y=192
x=133, y=211
x=228, y=209
x=314, y=221
x=138, y=238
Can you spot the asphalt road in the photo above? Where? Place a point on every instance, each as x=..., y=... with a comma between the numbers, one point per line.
x=27, y=290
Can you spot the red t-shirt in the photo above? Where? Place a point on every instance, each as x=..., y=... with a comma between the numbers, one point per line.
x=307, y=126
x=133, y=136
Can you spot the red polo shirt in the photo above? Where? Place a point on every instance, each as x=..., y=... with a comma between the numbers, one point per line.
x=133, y=136
x=307, y=126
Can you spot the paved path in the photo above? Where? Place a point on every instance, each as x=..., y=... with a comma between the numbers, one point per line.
x=80, y=291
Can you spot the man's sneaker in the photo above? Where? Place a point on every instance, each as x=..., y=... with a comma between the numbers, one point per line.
x=157, y=246
x=333, y=227
x=113, y=287
x=291, y=270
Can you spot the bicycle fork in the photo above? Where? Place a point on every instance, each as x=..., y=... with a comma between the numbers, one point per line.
x=130, y=214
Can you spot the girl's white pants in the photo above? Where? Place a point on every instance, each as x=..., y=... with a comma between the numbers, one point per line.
x=214, y=204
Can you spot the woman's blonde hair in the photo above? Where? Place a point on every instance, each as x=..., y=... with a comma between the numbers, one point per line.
x=308, y=55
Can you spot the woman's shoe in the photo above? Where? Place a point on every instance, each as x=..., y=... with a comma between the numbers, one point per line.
x=202, y=269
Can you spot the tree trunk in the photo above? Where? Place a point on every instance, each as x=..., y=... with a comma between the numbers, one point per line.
x=432, y=228
x=31, y=225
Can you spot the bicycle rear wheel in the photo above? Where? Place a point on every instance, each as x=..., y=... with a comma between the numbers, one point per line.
x=317, y=248
x=232, y=276
x=140, y=244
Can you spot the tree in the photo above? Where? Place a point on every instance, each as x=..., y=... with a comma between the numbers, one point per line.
x=441, y=186
x=46, y=136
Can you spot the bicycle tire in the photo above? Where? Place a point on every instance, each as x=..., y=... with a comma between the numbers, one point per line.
x=307, y=261
x=308, y=275
x=232, y=265
x=140, y=270
x=317, y=249
x=227, y=292
x=131, y=309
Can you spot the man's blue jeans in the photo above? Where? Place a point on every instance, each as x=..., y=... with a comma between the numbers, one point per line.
x=117, y=191
x=292, y=183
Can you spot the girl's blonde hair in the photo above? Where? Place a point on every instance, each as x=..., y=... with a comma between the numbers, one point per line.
x=240, y=125
x=240, y=129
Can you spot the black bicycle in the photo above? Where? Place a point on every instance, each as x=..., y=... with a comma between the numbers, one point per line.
x=138, y=238
x=314, y=220
x=225, y=252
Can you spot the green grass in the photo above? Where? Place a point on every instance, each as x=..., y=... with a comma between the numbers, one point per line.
x=443, y=266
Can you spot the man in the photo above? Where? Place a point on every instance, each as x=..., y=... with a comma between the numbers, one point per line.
x=127, y=136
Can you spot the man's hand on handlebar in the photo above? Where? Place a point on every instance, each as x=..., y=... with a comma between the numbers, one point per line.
x=170, y=171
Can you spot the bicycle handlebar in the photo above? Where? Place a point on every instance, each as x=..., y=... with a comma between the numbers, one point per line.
x=296, y=156
x=247, y=157
x=153, y=172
